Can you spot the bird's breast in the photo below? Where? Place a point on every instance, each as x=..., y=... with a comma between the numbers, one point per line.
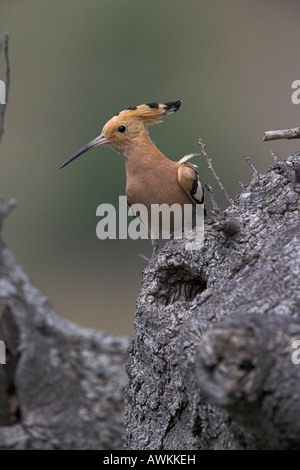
x=152, y=179
x=155, y=184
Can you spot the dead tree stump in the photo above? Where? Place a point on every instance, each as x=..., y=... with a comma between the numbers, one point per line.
x=210, y=366
x=62, y=386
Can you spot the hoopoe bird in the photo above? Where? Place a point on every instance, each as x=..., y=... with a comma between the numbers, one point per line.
x=151, y=178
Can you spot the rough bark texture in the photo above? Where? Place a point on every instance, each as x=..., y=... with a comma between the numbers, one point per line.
x=210, y=366
x=62, y=386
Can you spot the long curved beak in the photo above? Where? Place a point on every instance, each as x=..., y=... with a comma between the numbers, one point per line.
x=100, y=140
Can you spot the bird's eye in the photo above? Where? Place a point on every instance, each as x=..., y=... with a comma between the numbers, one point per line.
x=122, y=129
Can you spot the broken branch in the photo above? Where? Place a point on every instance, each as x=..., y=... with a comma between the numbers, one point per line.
x=4, y=46
x=293, y=133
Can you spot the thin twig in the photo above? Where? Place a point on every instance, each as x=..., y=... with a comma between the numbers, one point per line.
x=275, y=156
x=6, y=208
x=293, y=133
x=247, y=159
x=209, y=163
x=209, y=189
x=7, y=83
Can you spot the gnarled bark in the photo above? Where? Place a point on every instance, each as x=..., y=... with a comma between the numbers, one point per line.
x=62, y=386
x=210, y=366
x=211, y=363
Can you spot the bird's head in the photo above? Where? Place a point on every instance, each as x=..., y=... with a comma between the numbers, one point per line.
x=123, y=129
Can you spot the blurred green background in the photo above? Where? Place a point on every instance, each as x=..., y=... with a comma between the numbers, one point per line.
x=74, y=64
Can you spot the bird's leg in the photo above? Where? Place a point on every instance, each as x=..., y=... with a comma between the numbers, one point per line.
x=154, y=242
x=154, y=250
x=145, y=258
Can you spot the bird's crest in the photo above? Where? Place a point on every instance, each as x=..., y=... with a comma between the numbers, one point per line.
x=150, y=113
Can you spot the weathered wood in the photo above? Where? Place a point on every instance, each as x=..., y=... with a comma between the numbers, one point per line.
x=245, y=364
x=293, y=133
x=62, y=386
x=210, y=366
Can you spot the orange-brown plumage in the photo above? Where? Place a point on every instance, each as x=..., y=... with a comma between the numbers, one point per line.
x=151, y=178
